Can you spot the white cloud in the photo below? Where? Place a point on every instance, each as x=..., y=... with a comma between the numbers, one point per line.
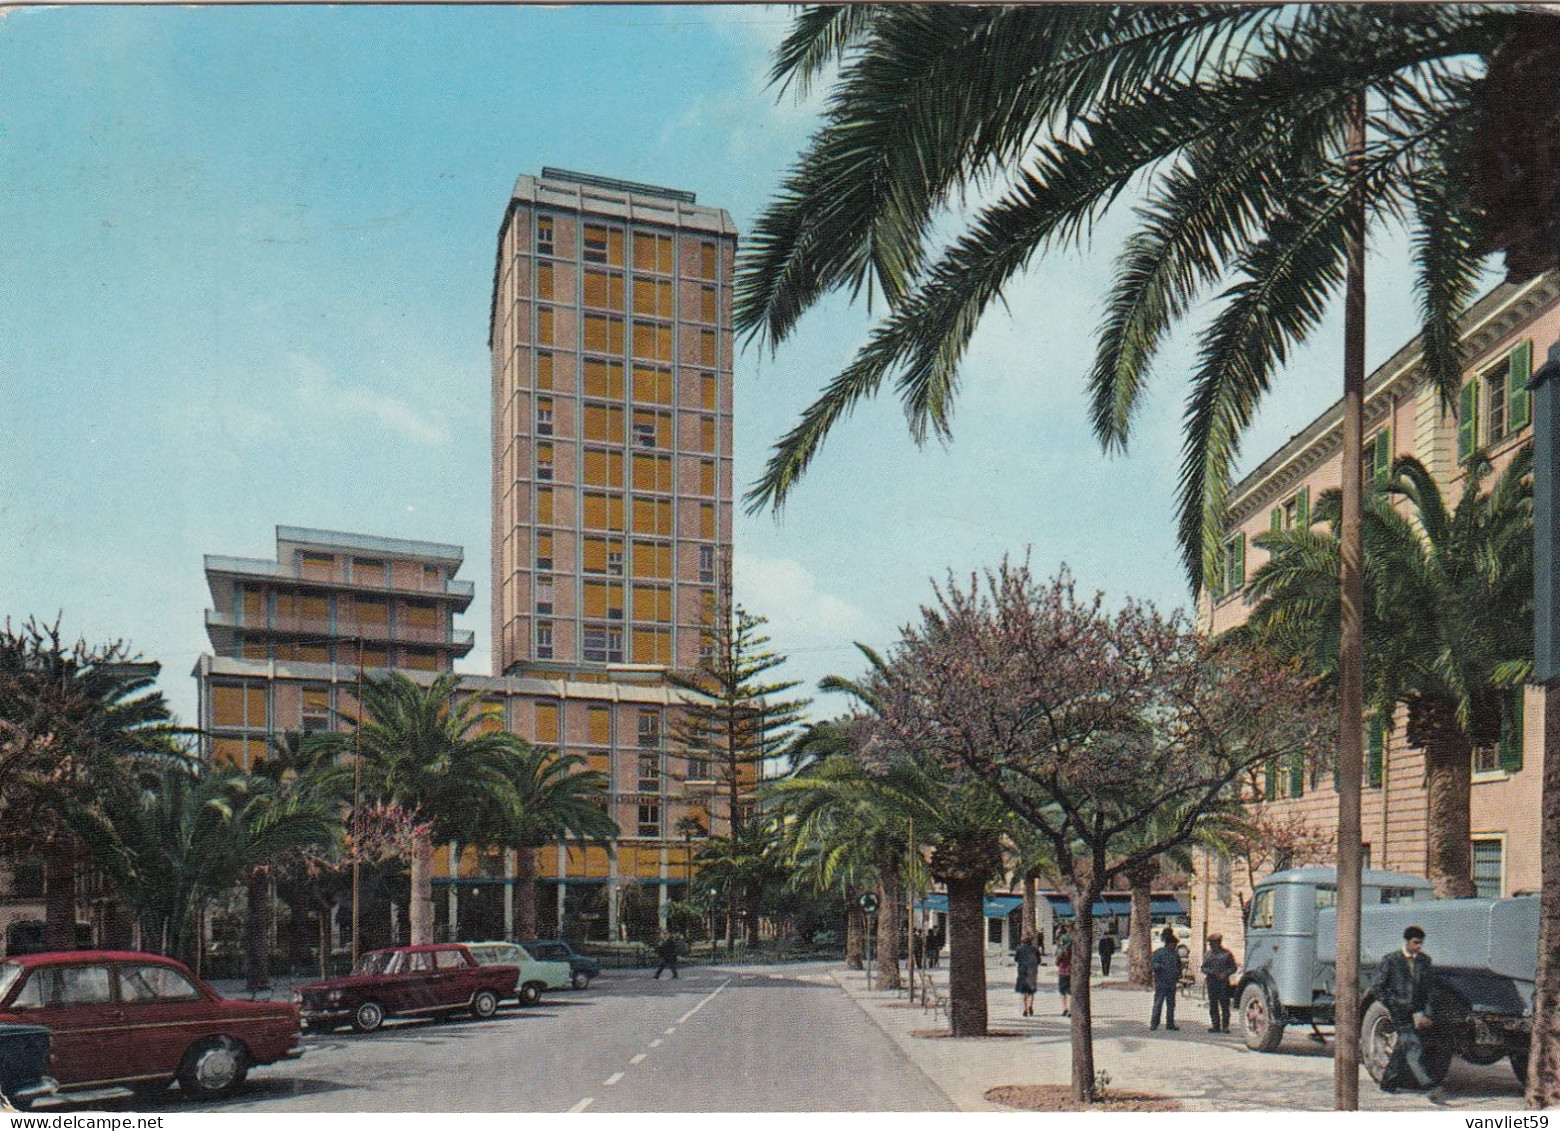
x=786, y=592
x=320, y=392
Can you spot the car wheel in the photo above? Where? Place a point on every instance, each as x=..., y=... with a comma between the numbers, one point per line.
x=1264, y=1032
x=484, y=1003
x=214, y=1068
x=1378, y=1036
x=368, y=1017
x=530, y=993
x=580, y=979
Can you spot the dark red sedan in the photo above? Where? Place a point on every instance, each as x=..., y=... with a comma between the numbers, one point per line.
x=142, y=1021
x=406, y=981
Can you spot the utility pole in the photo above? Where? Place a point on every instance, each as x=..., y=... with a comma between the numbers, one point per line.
x=357, y=823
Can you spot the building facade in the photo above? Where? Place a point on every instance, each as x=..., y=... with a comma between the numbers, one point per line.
x=1502, y=333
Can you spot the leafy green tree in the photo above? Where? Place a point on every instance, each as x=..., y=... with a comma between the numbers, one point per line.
x=427, y=752
x=1449, y=614
x=69, y=716
x=552, y=797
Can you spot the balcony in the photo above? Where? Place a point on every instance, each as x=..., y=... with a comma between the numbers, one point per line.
x=223, y=624
x=273, y=571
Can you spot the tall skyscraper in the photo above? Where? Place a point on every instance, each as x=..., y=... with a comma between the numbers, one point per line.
x=612, y=483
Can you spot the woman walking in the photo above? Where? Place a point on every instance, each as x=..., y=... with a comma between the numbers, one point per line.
x=1064, y=978
x=1028, y=958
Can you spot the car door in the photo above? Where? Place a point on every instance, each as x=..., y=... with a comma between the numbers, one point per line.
x=164, y=1014
x=75, y=1003
x=416, y=984
x=457, y=978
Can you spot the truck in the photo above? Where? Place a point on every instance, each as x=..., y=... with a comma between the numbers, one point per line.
x=1485, y=953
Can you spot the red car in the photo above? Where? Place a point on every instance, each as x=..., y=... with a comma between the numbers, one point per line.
x=121, y=1018
x=406, y=981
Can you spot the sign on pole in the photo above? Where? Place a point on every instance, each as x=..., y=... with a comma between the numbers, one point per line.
x=869, y=902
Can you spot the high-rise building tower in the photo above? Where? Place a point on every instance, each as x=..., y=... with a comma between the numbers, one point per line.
x=611, y=342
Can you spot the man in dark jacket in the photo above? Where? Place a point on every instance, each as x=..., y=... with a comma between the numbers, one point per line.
x=1166, y=968
x=667, y=953
x=1218, y=967
x=1404, y=984
x=1107, y=952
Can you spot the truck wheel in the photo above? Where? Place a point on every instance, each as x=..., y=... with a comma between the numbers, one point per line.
x=484, y=1003
x=1259, y=1017
x=1377, y=1037
x=1519, y=1062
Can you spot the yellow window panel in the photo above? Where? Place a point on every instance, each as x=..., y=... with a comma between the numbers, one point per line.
x=254, y=606
x=603, y=469
x=544, y=548
x=317, y=565
x=372, y=611
x=547, y=724
x=595, y=604
x=706, y=347
x=420, y=659
x=254, y=650
x=644, y=296
x=254, y=704
x=420, y=614
x=644, y=251
x=544, y=371
x=314, y=653
x=706, y=520
x=707, y=260
x=228, y=751
x=604, y=290
x=652, y=385
x=545, y=332
x=599, y=726
x=604, y=422
x=707, y=304
x=227, y=705
x=707, y=433
x=544, y=505
x=544, y=281
x=314, y=607
x=706, y=477
x=316, y=699
x=593, y=555
x=615, y=247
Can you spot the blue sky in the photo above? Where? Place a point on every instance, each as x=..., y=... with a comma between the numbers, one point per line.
x=245, y=260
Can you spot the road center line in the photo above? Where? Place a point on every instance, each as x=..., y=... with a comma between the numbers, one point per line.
x=672, y=1030
x=613, y=1079
x=638, y=1058
x=683, y=1020
x=656, y=1043
x=581, y=1106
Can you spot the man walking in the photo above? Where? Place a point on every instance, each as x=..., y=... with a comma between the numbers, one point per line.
x=1166, y=969
x=1218, y=967
x=667, y=952
x=1404, y=984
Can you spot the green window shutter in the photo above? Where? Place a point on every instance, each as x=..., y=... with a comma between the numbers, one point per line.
x=1378, y=746
x=1270, y=782
x=1240, y=561
x=1276, y=519
x=1467, y=421
x=1383, y=456
x=1303, y=508
x=1297, y=776
x=1511, y=733
x=1518, y=373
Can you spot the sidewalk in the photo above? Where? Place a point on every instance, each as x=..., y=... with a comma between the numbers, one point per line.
x=1204, y=1071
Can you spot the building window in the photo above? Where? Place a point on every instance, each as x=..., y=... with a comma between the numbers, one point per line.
x=644, y=430
x=653, y=252
x=545, y=285
x=316, y=709
x=1293, y=513
x=544, y=552
x=649, y=773
x=1495, y=404
x=595, y=244
x=707, y=564
x=544, y=461
x=707, y=259
x=650, y=820
x=604, y=290
x=544, y=371
x=603, y=645
x=544, y=640
x=1377, y=459
x=699, y=769
x=544, y=416
x=1488, y=860
x=544, y=594
x=603, y=379
x=544, y=235
x=615, y=561
x=706, y=477
x=1232, y=567
x=707, y=303
x=650, y=730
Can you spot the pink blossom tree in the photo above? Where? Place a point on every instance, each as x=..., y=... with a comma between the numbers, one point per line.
x=1091, y=725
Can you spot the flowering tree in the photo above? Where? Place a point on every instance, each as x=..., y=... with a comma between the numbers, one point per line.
x=1090, y=725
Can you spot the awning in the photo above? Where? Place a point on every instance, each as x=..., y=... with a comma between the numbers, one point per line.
x=1118, y=905
x=996, y=906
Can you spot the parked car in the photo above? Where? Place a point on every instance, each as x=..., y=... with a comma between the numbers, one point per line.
x=406, y=981
x=583, y=967
x=24, y=1065
x=536, y=974
x=122, y=1019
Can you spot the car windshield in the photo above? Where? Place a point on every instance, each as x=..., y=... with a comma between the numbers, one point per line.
x=9, y=972
x=376, y=963
x=494, y=955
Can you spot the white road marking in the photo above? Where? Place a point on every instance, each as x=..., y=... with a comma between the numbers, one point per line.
x=581, y=1106
x=637, y=1059
x=683, y=1020
x=613, y=1079
x=670, y=1031
x=657, y=1042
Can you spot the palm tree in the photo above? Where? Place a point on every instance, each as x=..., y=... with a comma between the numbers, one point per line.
x=426, y=752
x=552, y=798
x=737, y=869
x=1268, y=139
x=1449, y=599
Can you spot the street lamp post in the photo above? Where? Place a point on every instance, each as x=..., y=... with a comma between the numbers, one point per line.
x=357, y=823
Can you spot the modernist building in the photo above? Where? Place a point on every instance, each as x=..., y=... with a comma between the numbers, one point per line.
x=1502, y=333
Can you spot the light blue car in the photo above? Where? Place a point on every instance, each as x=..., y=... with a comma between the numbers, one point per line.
x=536, y=974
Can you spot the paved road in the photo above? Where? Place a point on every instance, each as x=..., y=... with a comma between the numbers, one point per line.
x=743, y=1039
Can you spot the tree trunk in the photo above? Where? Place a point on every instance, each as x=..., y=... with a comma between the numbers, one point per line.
x=1448, y=848
x=889, y=917
x=1140, y=930
x=1031, y=918
x=525, y=894
x=1351, y=646
x=967, y=957
x=258, y=929
x=750, y=904
x=420, y=913
x=855, y=948
x=59, y=893
x=118, y=926
x=1543, y=1073
x=1084, y=894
